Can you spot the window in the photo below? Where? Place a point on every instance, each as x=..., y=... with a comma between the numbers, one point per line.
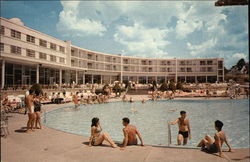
x=202, y=63
x=220, y=72
x=42, y=42
x=1, y=47
x=62, y=49
x=143, y=62
x=144, y=69
x=203, y=69
x=30, y=53
x=210, y=62
x=220, y=64
x=189, y=62
x=15, y=49
x=168, y=62
x=125, y=68
x=125, y=61
x=43, y=56
x=182, y=63
x=150, y=70
x=53, y=46
x=2, y=30
x=108, y=67
x=189, y=69
x=182, y=69
x=89, y=65
x=210, y=69
x=107, y=59
x=89, y=56
x=169, y=70
x=52, y=58
x=62, y=60
x=30, y=38
x=15, y=34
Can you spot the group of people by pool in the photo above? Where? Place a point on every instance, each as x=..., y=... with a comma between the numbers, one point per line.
x=33, y=108
x=130, y=132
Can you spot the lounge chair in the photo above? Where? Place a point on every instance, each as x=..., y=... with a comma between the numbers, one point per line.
x=4, y=124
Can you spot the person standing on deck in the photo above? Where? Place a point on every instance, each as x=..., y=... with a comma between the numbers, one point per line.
x=30, y=109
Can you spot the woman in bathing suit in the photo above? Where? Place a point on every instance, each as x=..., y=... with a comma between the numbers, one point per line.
x=215, y=146
x=97, y=137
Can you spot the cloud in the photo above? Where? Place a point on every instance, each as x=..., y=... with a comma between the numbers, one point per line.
x=141, y=41
x=202, y=48
x=70, y=22
x=239, y=55
x=195, y=16
x=149, y=29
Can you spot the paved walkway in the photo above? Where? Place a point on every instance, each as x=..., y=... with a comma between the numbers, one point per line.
x=49, y=145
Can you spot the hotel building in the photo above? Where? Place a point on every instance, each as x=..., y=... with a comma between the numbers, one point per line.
x=29, y=56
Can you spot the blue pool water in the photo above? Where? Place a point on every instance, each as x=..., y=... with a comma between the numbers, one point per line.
x=151, y=119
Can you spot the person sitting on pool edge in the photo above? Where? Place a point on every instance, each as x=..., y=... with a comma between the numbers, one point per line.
x=130, y=133
x=184, y=128
x=214, y=146
x=97, y=137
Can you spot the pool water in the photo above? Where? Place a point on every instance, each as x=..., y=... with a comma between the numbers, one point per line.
x=151, y=119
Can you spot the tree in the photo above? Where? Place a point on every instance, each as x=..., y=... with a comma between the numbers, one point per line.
x=240, y=64
x=164, y=86
x=225, y=70
x=172, y=86
x=154, y=85
x=179, y=86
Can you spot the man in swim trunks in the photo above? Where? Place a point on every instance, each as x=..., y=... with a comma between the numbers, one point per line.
x=130, y=133
x=184, y=128
x=214, y=146
x=30, y=109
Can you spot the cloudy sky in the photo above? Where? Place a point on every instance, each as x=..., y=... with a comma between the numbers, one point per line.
x=162, y=29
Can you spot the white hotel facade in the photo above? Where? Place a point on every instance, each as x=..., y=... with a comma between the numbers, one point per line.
x=29, y=56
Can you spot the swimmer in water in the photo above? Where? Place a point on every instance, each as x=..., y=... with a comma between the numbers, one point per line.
x=133, y=109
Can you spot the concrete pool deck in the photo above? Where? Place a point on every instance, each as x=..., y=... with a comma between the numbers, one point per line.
x=52, y=145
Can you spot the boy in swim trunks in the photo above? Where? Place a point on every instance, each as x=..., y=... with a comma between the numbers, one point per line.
x=30, y=109
x=214, y=146
x=130, y=132
x=184, y=128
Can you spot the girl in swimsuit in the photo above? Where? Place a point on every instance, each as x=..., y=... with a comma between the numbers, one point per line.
x=97, y=137
x=215, y=146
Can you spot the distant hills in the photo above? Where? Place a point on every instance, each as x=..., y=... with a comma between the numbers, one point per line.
x=241, y=67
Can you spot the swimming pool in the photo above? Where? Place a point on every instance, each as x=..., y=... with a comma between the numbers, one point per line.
x=151, y=119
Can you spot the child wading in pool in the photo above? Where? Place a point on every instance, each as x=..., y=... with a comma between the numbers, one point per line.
x=214, y=146
x=184, y=128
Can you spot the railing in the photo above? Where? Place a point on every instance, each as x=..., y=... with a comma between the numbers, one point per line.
x=169, y=134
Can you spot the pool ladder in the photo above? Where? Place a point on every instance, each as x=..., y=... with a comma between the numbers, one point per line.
x=169, y=134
